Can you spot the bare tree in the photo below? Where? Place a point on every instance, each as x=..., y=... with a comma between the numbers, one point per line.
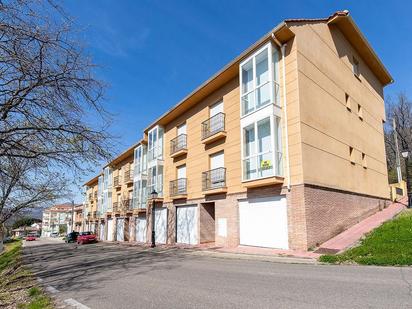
x=52, y=119
x=400, y=110
x=24, y=185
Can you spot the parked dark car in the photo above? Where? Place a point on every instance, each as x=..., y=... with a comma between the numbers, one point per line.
x=86, y=237
x=72, y=237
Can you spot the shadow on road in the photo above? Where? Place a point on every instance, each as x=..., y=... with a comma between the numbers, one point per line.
x=70, y=267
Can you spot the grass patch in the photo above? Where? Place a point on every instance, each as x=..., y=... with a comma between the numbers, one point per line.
x=17, y=285
x=389, y=244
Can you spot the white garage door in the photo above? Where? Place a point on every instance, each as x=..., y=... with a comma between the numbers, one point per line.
x=161, y=225
x=101, y=231
x=110, y=229
x=141, y=229
x=186, y=222
x=263, y=222
x=120, y=229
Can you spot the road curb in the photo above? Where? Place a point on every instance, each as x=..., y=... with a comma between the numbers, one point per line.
x=256, y=257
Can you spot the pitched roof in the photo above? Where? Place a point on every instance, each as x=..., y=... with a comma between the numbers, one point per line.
x=282, y=32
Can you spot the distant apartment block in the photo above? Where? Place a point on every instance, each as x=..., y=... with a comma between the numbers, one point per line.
x=56, y=216
x=282, y=148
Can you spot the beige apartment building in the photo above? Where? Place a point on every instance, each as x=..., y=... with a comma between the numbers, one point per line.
x=78, y=218
x=55, y=217
x=282, y=148
x=90, y=213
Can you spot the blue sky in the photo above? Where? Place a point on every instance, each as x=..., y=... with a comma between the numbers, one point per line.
x=153, y=53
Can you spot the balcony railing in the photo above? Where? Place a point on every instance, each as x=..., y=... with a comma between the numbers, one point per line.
x=178, y=187
x=116, y=181
x=90, y=196
x=116, y=206
x=128, y=176
x=178, y=143
x=127, y=204
x=213, y=125
x=95, y=195
x=214, y=179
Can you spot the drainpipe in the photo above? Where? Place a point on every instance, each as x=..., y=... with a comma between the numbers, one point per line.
x=283, y=49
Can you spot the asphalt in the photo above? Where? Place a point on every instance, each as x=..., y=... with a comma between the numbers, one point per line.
x=110, y=276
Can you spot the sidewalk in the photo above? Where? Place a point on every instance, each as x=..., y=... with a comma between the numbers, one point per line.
x=352, y=235
x=335, y=245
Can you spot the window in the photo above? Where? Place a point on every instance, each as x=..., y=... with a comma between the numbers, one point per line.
x=261, y=150
x=259, y=80
x=347, y=101
x=355, y=67
x=155, y=143
x=155, y=180
x=351, y=155
x=139, y=160
x=364, y=163
x=360, y=112
x=181, y=129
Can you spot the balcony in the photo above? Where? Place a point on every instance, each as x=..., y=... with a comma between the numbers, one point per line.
x=127, y=205
x=214, y=181
x=90, y=196
x=116, y=182
x=128, y=177
x=116, y=207
x=213, y=128
x=178, y=146
x=95, y=195
x=178, y=188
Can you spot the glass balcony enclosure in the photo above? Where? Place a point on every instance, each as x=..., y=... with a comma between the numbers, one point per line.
x=261, y=115
x=259, y=80
x=139, y=177
x=155, y=144
x=155, y=180
x=140, y=160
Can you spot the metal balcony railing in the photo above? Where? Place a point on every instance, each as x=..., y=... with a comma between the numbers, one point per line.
x=214, y=179
x=178, y=143
x=178, y=186
x=213, y=125
x=116, y=181
x=128, y=176
x=127, y=204
x=116, y=206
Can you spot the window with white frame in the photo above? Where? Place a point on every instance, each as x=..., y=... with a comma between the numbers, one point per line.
x=155, y=181
x=262, y=154
x=140, y=163
x=259, y=80
x=155, y=143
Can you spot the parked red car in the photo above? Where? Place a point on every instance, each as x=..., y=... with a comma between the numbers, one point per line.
x=86, y=237
x=30, y=238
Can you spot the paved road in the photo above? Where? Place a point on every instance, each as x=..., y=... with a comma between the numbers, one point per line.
x=108, y=276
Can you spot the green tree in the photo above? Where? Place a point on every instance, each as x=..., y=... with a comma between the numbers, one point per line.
x=26, y=221
x=63, y=229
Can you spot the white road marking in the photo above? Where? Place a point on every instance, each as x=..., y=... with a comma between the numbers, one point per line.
x=52, y=290
x=74, y=303
x=39, y=279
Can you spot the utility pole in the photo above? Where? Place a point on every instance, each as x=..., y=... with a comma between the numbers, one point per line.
x=398, y=158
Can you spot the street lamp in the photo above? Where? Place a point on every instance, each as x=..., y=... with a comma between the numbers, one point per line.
x=405, y=155
x=153, y=196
